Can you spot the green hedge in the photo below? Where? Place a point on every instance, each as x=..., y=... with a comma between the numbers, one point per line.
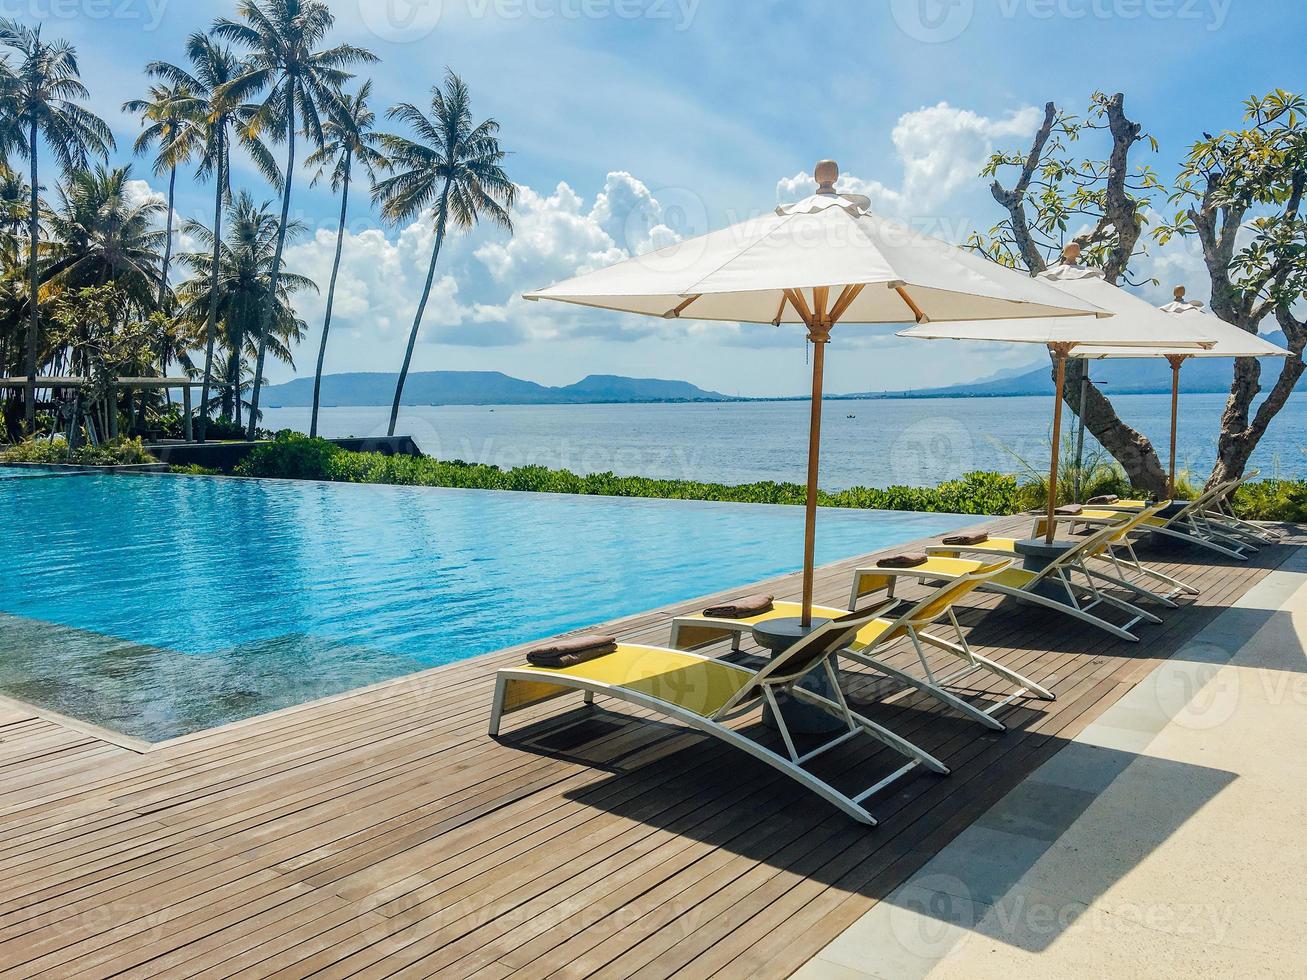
x=294, y=457
x=318, y=459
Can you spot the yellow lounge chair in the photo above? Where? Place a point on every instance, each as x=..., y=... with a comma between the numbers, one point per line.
x=1066, y=575
x=705, y=693
x=692, y=632
x=1192, y=523
x=1115, y=551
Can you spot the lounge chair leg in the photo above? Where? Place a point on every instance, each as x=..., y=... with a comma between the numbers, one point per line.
x=589, y=697
x=926, y=687
x=878, y=732
x=497, y=706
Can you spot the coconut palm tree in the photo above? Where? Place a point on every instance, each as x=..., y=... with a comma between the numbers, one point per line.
x=43, y=99
x=98, y=236
x=211, y=117
x=163, y=119
x=298, y=81
x=240, y=287
x=452, y=167
x=347, y=137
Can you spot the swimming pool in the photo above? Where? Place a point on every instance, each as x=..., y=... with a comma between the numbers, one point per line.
x=160, y=605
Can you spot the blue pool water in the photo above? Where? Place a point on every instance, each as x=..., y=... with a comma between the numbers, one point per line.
x=161, y=605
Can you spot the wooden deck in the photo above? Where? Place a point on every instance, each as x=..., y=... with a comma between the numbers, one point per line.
x=384, y=834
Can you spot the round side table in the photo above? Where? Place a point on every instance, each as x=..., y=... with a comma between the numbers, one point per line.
x=778, y=635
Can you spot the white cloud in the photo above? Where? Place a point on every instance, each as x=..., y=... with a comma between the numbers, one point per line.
x=940, y=149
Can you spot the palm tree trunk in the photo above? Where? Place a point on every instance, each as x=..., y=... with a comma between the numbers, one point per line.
x=33, y=231
x=422, y=305
x=331, y=295
x=270, y=314
x=211, y=327
x=167, y=245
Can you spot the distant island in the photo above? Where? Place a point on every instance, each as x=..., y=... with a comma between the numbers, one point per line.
x=1130, y=376
x=1123, y=376
x=481, y=388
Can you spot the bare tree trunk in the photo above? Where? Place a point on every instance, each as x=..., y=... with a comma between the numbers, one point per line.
x=1133, y=450
x=1218, y=223
x=1119, y=221
x=1239, y=436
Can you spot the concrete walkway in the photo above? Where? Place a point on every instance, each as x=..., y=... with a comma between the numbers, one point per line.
x=1167, y=840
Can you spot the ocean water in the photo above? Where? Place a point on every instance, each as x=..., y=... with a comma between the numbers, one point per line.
x=917, y=442
x=160, y=605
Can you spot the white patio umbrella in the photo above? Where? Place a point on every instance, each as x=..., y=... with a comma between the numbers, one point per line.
x=1136, y=324
x=824, y=260
x=1231, y=341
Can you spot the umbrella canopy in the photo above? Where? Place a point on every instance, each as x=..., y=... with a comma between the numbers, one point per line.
x=1136, y=324
x=745, y=273
x=1231, y=341
x=823, y=260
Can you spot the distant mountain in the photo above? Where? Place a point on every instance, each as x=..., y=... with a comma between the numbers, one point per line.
x=480, y=388
x=1120, y=376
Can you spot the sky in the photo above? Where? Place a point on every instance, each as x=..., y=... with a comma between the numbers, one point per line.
x=634, y=122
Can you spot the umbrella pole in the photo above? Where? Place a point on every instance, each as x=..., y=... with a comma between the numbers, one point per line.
x=1059, y=352
x=819, y=339
x=1175, y=360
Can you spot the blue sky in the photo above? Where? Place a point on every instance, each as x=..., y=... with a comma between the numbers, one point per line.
x=629, y=120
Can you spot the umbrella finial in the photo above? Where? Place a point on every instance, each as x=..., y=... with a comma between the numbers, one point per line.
x=1179, y=294
x=1071, y=253
x=826, y=172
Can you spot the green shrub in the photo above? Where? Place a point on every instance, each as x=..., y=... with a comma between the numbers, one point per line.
x=195, y=469
x=120, y=452
x=1272, y=500
x=297, y=459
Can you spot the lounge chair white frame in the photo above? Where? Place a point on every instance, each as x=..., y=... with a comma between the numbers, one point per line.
x=1081, y=596
x=1189, y=524
x=1221, y=513
x=780, y=676
x=910, y=623
x=1116, y=551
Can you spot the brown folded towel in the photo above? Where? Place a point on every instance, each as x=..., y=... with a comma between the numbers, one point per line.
x=979, y=538
x=909, y=559
x=1107, y=498
x=571, y=651
x=743, y=607
x=1069, y=510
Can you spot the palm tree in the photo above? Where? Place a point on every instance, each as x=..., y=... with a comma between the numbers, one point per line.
x=98, y=237
x=298, y=81
x=210, y=115
x=163, y=118
x=241, y=284
x=346, y=136
x=43, y=95
x=453, y=168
